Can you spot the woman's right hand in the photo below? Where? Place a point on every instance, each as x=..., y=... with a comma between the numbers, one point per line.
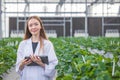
x=25, y=62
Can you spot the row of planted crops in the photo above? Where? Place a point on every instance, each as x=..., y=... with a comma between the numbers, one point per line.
x=91, y=58
x=8, y=49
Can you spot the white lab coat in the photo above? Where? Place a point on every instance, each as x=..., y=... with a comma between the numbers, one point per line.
x=36, y=72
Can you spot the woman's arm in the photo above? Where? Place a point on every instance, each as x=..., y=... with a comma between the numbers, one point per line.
x=19, y=60
x=53, y=61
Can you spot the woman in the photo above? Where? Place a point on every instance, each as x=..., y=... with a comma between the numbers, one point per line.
x=29, y=63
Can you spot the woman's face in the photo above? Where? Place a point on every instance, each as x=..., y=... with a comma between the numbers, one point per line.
x=34, y=26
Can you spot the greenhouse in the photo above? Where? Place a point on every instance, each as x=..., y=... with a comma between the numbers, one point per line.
x=84, y=39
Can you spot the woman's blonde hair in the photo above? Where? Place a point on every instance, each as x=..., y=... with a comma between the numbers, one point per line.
x=42, y=30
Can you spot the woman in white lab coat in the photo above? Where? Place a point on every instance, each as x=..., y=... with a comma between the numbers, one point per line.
x=35, y=44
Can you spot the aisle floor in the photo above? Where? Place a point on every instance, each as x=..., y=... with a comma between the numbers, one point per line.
x=11, y=75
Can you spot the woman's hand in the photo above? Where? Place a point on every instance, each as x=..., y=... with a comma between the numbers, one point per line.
x=25, y=62
x=37, y=60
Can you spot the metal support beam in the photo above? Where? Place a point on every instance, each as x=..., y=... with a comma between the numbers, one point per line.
x=103, y=18
x=86, y=20
x=0, y=20
x=59, y=6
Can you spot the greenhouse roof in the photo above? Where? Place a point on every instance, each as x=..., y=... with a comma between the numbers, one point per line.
x=83, y=1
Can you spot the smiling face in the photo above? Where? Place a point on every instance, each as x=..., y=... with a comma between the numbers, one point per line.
x=34, y=27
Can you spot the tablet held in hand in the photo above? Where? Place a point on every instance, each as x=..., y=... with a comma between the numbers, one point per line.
x=43, y=58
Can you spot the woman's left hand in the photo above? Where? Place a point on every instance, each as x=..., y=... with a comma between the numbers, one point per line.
x=37, y=60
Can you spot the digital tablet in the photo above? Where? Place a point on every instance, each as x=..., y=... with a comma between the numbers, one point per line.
x=43, y=58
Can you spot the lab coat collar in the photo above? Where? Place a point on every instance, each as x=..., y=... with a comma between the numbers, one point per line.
x=29, y=42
